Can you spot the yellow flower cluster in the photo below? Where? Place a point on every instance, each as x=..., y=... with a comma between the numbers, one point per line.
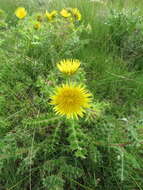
x=70, y=99
x=71, y=13
x=21, y=13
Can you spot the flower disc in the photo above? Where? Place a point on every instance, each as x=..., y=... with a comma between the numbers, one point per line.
x=71, y=100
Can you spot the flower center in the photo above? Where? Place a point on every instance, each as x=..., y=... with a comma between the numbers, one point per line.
x=69, y=100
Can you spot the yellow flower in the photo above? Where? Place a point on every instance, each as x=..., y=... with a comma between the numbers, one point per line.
x=68, y=66
x=65, y=13
x=37, y=25
x=76, y=13
x=21, y=12
x=71, y=100
x=51, y=15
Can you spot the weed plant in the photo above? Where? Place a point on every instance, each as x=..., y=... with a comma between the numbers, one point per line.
x=41, y=150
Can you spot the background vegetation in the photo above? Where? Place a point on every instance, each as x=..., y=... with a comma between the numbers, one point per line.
x=39, y=150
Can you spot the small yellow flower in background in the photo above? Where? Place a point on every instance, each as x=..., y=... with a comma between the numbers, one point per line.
x=37, y=25
x=76, y=13
x=51, y=15
x=65, y=13
x=21, y=12
x=71, y=100
x=69, y=66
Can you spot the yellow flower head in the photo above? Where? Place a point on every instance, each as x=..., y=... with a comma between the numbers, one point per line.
x=68, y=66
x=51, y=15
x=37, y=25
x=71, y=100
x=65, y=13
x=76, y=13
x=21, y=12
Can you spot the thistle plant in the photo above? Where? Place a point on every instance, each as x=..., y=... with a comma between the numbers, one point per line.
x=71, y=99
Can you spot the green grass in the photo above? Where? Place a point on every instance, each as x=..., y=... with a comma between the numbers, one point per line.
x=39, y=150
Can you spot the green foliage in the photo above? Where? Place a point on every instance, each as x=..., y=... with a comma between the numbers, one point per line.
x=40, y=150
x=122, y=24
